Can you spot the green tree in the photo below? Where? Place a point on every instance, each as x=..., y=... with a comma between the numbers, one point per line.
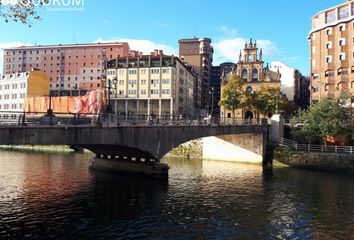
x=233, y=94
x=326, y=118
x=267, y=100
x=23, y=11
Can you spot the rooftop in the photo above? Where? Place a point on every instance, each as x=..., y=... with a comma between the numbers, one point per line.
x=68, y=45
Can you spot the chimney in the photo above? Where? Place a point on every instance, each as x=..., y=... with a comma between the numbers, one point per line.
x=156, y=52
x=161, y=52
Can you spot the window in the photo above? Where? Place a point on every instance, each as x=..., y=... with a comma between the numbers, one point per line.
x=342, y=42
x=329, y=45
x=132, y=83
x=339, y=71
x=342, y=28
x=121, y=82
x=250, y=58
x=154, y=81
x=165, y=91
x=255, y=74
x=352, y=70
x=328, y=59
x=143, y=92
x=315, y=76
x=329, y=31
x=154, y=91
x=331, y=16
x=342, y=56
x=155, y=71
x=143, y=71
x=166, y=81
x=132, y=72
x=327, y=73
x=166, y=70
x=132, y=92
x=244, y=74
x=343, y=12
x=143, y=82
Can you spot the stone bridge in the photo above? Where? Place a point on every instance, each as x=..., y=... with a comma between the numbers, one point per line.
x=127, y=141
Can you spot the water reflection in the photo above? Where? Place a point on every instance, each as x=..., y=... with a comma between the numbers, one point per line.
x=57, y=197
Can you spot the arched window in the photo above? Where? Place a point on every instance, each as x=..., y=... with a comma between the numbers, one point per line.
x=250, y=58
x=244, y=74
x=255, y=74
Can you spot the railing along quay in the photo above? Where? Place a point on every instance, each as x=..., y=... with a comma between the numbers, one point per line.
x=312, y=147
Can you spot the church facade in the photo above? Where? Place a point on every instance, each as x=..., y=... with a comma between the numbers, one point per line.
x=255, y=77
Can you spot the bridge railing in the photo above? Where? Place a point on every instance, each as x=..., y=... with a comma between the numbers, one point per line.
x=36, y=118
x=184, y=121
x=312, y=147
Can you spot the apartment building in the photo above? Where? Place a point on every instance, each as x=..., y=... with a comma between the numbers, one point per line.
x=332, y=52
x=16, y=87
x=155, y=84
x=217, y=75
x=198, y=53
x=72, y=69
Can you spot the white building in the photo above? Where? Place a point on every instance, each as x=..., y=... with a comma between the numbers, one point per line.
x=15, y=88
x=288, y=78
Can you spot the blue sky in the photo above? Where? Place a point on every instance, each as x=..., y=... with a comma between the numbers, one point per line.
x=280, y=26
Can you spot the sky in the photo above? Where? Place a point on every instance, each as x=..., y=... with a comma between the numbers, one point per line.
x=280, y=27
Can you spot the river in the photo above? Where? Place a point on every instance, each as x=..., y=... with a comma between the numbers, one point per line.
x=55, y=196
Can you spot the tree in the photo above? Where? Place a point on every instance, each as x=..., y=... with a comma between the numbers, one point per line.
x=268, y=100
x=326, y=118
x=23, y=11
x=232, y=94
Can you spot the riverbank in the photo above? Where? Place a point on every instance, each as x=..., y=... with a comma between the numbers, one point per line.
x=189, y=150
x=333, y=162
x=45, y=148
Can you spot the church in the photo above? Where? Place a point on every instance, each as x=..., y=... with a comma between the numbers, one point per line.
x=250, y=69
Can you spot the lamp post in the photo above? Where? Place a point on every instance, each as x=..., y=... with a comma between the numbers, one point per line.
x=109, y=85
x=212, y=101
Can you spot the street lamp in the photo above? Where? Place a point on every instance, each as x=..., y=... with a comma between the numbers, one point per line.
x=212, y=100
x=109, y=85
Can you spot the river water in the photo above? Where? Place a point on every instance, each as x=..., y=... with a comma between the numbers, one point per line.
x=55, y=196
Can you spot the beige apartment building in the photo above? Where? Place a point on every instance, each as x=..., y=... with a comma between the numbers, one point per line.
x=198, y=53
x=155, y=84
x=72, y=69
x=332, y=52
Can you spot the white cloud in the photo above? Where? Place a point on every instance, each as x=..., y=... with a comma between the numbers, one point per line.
x=228, y=31
x=143, y=45
x=229, y=49
x=8, y=45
